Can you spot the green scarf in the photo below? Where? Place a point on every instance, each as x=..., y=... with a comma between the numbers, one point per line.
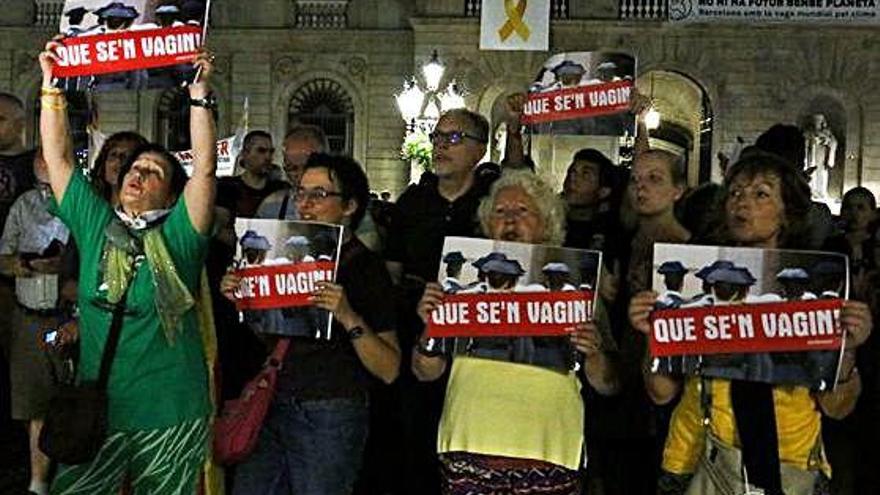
x=124, y=250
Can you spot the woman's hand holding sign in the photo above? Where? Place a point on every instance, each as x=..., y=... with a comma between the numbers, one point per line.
x=332, y=297
x=229, y=284
x=856, y=322
x=431, y=299
x=640, y=310
x=428, y=367
x=587, y=339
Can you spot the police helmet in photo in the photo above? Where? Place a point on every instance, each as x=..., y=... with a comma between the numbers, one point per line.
x=117, y=9
x=671, y=267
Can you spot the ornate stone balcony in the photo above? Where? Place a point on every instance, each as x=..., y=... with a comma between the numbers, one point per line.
x=644, y=9
x=321, y=14
x=558, y=8
x=47, y=13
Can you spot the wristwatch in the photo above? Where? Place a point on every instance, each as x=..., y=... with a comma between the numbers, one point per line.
x=209, y=102
x=355, y=332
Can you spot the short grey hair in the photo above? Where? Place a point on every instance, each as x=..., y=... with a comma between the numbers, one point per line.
x=550, y=206
x=308, y=131
x=475, y=122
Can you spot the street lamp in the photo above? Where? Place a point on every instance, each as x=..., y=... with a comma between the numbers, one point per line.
x=420, y=107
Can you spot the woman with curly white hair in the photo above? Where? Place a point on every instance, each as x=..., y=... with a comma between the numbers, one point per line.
x=512, y=427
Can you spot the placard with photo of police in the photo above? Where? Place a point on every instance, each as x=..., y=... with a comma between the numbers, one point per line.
x=111, y=45
x=582, y=93
x=280, y=263
x=512, y=301
x=761, y=315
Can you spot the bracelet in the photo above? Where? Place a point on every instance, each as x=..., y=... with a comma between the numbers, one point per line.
x=51, y=91
x=52, y=104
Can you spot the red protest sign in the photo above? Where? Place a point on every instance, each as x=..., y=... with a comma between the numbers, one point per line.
x=280, y=286
x=578, y=102
x=510, y=314
x=811, y=325
x=127, y=50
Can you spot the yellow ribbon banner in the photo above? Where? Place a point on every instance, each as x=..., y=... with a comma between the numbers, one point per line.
x=514, y=10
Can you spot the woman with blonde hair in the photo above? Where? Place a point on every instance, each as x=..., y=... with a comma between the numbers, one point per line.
x=537, y=447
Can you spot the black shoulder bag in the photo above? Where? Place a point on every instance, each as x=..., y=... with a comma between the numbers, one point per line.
x=76, y=424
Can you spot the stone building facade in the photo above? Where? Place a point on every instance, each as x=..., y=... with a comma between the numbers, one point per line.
x=713, y=83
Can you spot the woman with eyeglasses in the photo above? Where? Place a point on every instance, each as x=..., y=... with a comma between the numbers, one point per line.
x=511, y=427
x=313, y=438
x=143, y=259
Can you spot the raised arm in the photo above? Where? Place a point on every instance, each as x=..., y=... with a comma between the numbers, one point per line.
x=201, y=187
x=54, y=129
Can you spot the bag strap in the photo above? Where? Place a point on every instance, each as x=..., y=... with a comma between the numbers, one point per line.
x=112, y=340
x=277, y=357
x=282, y=213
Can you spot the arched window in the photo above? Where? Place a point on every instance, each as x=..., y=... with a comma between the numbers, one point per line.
x=324, y=103
x=172, y=120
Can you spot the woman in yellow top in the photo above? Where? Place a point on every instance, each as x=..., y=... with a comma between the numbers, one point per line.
x=509, y=427
x=777, y=428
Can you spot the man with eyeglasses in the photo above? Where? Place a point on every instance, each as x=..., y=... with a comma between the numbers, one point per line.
x=299, y=144
x=443, y=203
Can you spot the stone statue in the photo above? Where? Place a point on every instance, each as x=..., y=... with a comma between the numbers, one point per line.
x=821, y=147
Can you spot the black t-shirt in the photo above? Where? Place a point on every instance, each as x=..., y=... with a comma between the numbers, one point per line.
x=16, y=177
x=317, y=369
x=424, y=217
x=241, y=199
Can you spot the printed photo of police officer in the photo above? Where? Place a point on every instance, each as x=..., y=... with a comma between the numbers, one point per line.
x=478, y=266
x=699, y=276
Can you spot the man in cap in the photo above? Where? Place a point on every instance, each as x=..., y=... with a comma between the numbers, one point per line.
x=795, y=281
x=502, y=275
x=298, y=249
x=557, y=276
x=454, y=261
x=673, y=278
x=730, y=285
x=706, y=298
x=115, y=16
x=75, y=17
x=481, y=286
x=254, y=248
x=828, y=278
x=193, y=12
x=605, y=72
x=568, y=74
x=166, y=15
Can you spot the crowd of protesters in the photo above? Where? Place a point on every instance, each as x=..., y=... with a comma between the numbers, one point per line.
x=376, y=409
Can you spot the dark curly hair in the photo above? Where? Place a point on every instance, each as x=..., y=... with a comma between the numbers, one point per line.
x=795, y=192
x=96, y=175
x=178, y=174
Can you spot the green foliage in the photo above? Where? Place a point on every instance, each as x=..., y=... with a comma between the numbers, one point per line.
x=417, y=147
